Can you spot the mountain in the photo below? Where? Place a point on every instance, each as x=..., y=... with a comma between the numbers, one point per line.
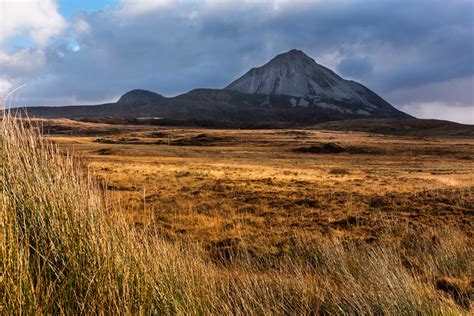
x=291, y=89
x=296, y=74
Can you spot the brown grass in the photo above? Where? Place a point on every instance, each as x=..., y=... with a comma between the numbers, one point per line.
x=202, y=231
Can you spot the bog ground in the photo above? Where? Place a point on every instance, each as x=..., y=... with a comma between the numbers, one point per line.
x=255, y=189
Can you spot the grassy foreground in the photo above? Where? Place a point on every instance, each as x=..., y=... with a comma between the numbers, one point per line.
x=64, y=250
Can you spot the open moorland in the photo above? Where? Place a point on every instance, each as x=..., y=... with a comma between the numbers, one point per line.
x=262, y=186
x=264, y=200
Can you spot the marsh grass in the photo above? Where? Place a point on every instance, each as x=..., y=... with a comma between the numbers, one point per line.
x=64, y=250
x=339, y=171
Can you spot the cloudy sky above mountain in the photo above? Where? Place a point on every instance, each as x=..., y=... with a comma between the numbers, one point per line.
x=416, y=54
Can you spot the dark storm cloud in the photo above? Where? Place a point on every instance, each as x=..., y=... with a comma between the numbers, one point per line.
x=355, y=67
x=429, y=40
x=387, y=45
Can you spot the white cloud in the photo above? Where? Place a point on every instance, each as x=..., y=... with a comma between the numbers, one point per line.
x=5, y=87
x=22, y=62
x=273, y=5
x=442, y=111
x=80, y=26
x=38, y=20
x=135, y=8
x=132, y=8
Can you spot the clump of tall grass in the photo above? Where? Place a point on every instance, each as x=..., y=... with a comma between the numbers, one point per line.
x=64, y=251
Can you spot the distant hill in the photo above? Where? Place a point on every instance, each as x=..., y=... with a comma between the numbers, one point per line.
x=140, y=96
x=402, y=127
x=290, y=89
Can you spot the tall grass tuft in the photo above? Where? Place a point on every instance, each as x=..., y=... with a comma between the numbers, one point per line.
x=63, y=251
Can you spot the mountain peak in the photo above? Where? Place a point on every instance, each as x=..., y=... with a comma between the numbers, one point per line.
x=294, y=53
x=292, y=73
x=293, y=56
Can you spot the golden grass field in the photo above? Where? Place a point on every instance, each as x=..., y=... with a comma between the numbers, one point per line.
x=258, y=187
x=247, y=200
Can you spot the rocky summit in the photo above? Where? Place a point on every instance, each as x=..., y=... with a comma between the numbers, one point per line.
x=293, y=73
x=296, y=74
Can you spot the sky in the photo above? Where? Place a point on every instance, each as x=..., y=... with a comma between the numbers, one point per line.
x=416, y=54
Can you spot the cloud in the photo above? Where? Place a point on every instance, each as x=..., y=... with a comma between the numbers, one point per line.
x=355, y=67
x=79, y=26
x=5, y=86
x=22, y=62
x=38, y=20
x=441, y=110
x=127, y=8
x=32, y=21
x=393, y=47
x=448, y=100
x=459, y=91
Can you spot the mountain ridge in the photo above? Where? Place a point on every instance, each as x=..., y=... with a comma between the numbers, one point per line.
x=291, y=88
